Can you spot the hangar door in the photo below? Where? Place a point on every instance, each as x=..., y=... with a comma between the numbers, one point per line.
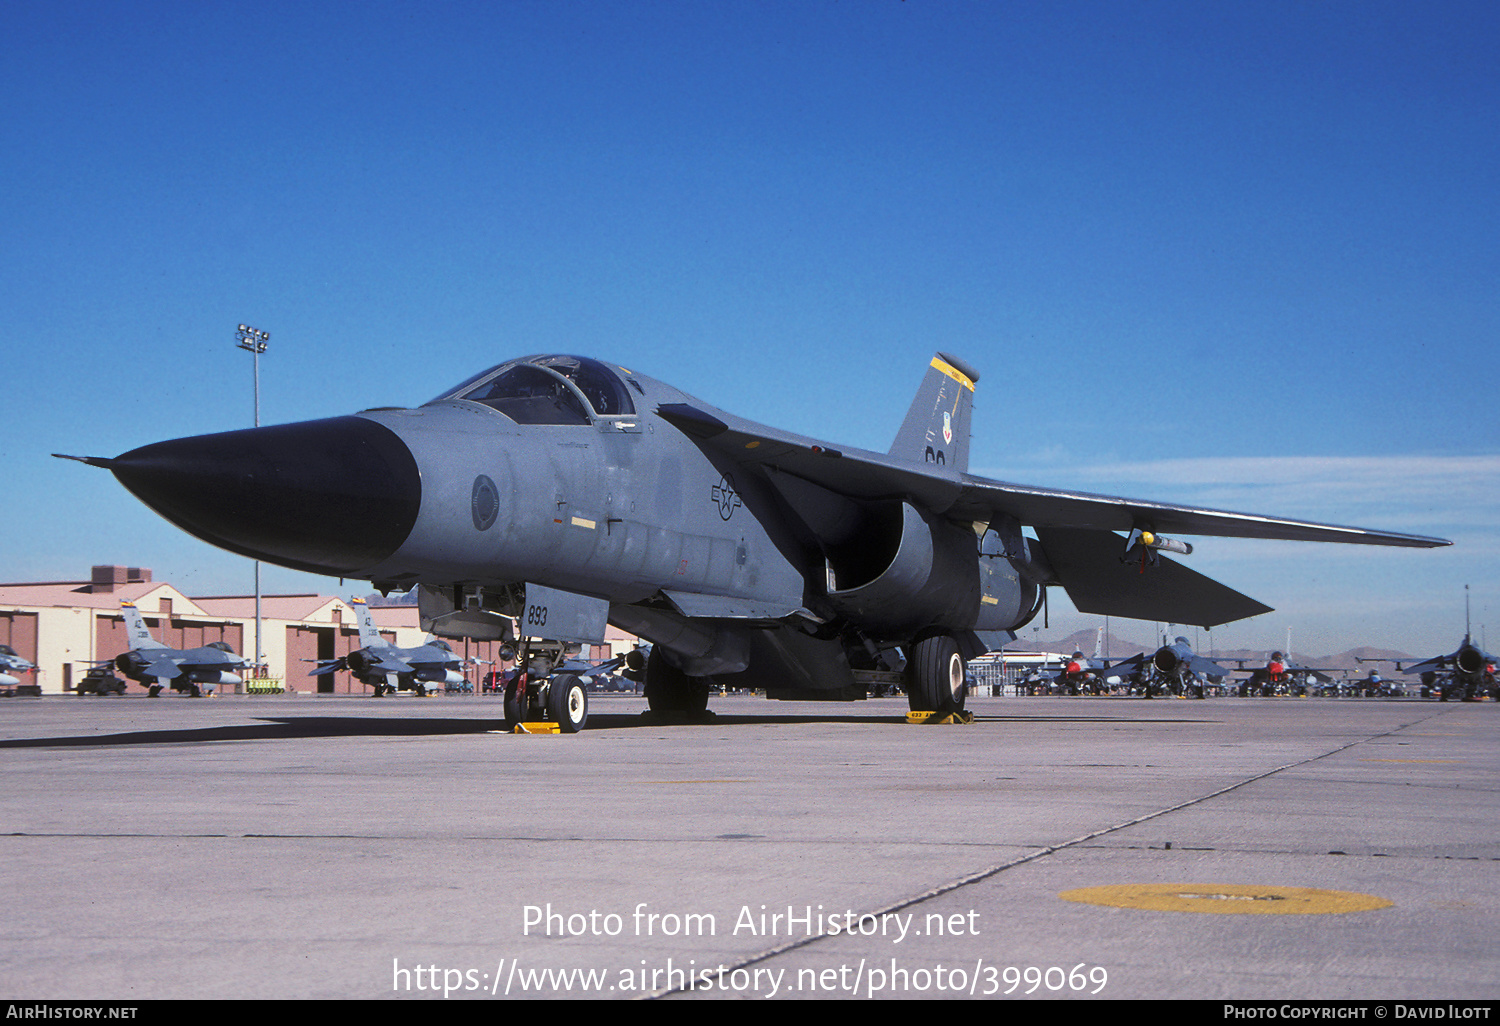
x=18, y=630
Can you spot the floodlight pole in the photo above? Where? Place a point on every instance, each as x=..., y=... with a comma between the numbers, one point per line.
x=253, y=341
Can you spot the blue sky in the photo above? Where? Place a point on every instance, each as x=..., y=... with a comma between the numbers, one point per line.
x=1237, y=254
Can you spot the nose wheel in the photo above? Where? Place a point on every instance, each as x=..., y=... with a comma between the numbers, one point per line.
x=568, y=703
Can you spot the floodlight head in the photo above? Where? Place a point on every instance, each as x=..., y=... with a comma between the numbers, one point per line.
x=252, y=340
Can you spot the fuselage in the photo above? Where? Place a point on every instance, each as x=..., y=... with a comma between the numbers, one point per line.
x=563, y=471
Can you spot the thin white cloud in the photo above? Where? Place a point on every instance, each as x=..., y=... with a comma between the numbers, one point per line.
x=1337, y=596
x=1420, y=494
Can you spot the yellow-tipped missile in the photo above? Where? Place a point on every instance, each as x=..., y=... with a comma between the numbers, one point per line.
x=1156, y=541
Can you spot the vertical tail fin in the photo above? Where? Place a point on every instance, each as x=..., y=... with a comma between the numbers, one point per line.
x=135, y=628
x=369, y=635
x=936, y=429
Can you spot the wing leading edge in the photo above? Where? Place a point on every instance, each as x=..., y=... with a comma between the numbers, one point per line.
x=860, y=474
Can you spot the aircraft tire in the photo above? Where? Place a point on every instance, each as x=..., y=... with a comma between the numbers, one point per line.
x=670, y=692
x=568, y=703
x=153, y=690
x=515, y=705
x=935, y=675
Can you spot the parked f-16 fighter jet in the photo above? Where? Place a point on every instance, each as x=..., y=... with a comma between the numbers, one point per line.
x=1078, y=674
x=1465, y=675
x=568, y=493
x=387, y=668
x=182, y=669
x=15, y=663
x=1281, y=675
x=1462, y=675
x=10, y=661
x=1173, y=668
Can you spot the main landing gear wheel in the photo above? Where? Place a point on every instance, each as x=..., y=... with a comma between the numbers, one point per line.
x=935, y=675
x=515, y=704
x=671, y=693
x=568, y=703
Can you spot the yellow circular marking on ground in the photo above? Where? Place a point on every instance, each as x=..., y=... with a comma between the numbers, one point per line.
x=1226, y=899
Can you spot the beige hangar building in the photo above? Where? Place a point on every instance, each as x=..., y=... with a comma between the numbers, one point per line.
x=65, y=627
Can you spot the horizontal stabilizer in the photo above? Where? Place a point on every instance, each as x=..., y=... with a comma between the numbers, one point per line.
x=1207, y=667
x=162, y=669
x=1433, y=665
x=1088, y=565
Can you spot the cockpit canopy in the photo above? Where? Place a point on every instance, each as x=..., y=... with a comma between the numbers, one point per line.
x=549, y=390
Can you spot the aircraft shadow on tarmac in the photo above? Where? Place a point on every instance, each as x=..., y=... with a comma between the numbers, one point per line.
x=292, y=727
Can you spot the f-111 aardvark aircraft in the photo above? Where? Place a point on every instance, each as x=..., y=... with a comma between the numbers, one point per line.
x=570, y=493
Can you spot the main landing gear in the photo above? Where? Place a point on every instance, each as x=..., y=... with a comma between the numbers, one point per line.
x=935, y=674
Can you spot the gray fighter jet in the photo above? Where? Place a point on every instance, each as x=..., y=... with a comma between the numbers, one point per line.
x=1282, y=676
x=568, y=493
x=1466, y=674
x=1174, y=668
x=14, y=663
x=387, y=668
x=1079, y=674
x=156, y=665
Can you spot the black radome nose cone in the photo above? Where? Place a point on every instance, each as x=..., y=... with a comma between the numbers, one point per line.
x=328, y=496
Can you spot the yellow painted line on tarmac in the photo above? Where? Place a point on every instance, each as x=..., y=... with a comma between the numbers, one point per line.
x=1226, y=899
x=1435, y=761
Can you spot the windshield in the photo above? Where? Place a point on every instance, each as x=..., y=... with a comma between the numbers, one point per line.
x=600, y=386
x=529, y=395
x=535, y=390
